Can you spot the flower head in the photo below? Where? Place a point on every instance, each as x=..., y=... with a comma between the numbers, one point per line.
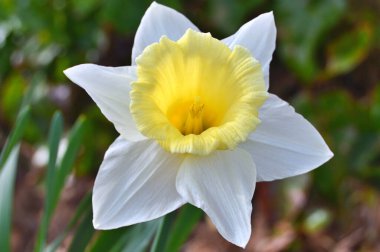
x=196, y=125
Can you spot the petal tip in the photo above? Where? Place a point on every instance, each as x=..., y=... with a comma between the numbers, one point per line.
x=72, y=71
x=268, y=15
x=327, y=153
x=243, y=242
x=155, y=5
x=271, y=20
x=330, y=154
x=68, y=71
x=97, y=225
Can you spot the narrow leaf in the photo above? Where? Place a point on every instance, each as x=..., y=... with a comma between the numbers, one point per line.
x=161, y=237
x=82, y=209
x=187, y=219
x=83, y=234
x=107, y=238
x=15, y=135
x=138, y=238
x=134, y=238
x=21, y=122
x=7, y=179
x=68, y=159
x=55, y=133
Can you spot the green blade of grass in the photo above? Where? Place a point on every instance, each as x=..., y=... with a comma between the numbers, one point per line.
x=83, y=208
x=15, y=135
x=176, y=228
x=7, y=178
x=83, y=234
x=55, y=134
x=134, y=238
x=21, y=121
x=106, y=238
x=183, y=226
x=138, y=237
x=58, y=173
x=8, y=166
x=162, y=233
x=67, y=163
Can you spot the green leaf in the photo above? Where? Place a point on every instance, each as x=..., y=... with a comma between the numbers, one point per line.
x=186, y=221
x=138, y=238
x=83, y=208
x=162, y=234
x=7, y=179
x=22, y=119
x=68, y=159
x=55, y=133
x=83, y=234
x=15, y=135
x=105, y=239
x=175, y=228
x=8, y=166
x=134, y=238
x=57, y=173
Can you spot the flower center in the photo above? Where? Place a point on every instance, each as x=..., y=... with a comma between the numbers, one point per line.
x=196, y=95
x=194, y=122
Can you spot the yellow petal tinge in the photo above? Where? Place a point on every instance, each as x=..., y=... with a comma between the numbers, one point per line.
x=197, y=95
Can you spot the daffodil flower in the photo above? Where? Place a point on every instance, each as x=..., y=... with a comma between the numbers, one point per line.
x=197, y=125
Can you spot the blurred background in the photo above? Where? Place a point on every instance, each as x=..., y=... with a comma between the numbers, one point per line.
x=326, y=65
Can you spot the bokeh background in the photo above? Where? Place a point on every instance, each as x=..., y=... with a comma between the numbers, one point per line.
x=326, y=65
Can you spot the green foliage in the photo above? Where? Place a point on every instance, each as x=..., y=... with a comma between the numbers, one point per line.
x=137, y=238
x=7, y=179
x=174, y=229
x=54, y=137
x=82, y=210
x=15, y=136
x=349, y=50
x=8, y=165
x=232, y=14
x=125, y=15
x=83, y=234
x=182, y=227
x=304, y=24
x=58, y=172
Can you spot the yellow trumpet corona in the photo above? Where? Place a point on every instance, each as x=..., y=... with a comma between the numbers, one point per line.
x=196, y=95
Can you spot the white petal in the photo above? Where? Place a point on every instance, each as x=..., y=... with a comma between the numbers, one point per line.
x=222, y=184
x=285, y=144
x=159, y=20
x=135, y=183
x=109, y=87
x=258, y=36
